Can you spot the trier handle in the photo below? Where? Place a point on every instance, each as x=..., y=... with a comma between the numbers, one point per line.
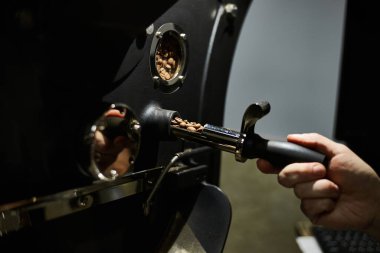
x=279, y=153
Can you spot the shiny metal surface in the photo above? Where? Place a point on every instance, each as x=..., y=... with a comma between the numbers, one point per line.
x=16, y=215
x=201, y=138
x=113, y=142
x=252, y=114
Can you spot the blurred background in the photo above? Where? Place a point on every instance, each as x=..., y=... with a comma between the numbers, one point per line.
x=289, y=54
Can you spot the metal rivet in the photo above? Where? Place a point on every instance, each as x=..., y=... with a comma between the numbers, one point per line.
x=83, y=201
x=231, y=9
x=159, y=35
x=136, y=127
x=183, y=36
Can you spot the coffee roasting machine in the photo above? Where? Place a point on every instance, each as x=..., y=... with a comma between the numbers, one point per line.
x=111, y=125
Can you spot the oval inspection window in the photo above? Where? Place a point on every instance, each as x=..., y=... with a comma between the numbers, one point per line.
x=168, y=58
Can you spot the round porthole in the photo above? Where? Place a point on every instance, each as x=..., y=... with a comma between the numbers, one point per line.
x=112, y=144
x=168, y=58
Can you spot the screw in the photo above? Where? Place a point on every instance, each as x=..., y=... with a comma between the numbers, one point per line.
x=231, y=10
x=136, y=127
x=183, y=36
x=84, y=201
x=159, y=35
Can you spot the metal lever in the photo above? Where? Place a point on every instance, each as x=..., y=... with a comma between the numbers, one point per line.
x=176, y=158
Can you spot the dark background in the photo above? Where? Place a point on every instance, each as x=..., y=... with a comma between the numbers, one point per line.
x=358, y=106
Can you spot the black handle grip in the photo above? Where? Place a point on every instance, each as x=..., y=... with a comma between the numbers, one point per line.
x=279, y=153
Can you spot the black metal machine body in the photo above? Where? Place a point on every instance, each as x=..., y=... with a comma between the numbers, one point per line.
x=62, y=65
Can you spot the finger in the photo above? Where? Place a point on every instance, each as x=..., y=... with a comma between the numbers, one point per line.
x=266, y=167
x=317, y=142
x=297, y=173
x=316, y=208
x=322, y=188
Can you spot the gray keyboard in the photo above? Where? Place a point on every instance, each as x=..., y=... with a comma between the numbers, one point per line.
x=344, y=241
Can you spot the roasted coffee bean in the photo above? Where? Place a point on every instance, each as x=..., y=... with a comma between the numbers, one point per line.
x=185, y=124
x=167, y=57
x=178, y=119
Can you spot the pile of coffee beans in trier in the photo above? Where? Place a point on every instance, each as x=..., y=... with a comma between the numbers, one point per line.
x=185, y=124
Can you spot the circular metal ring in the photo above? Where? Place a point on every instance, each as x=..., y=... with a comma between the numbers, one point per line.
x=168, y=58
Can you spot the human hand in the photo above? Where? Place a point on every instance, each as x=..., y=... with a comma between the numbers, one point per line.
x=343, y=195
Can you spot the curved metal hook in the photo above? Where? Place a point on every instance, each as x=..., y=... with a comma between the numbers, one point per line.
x=252, y=114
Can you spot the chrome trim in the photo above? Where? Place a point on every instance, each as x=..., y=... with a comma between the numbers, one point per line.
x=16, y=215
